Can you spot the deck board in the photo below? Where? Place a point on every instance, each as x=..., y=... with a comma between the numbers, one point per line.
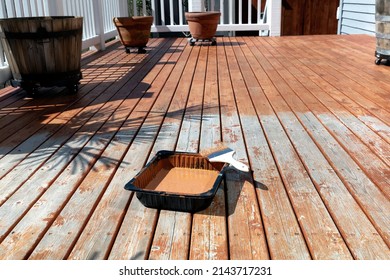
x=306, y=202
x=141, y=250
x=309, y=114
x=241, y=196
x=115, y=196
x=330, y=179
x=209, y=231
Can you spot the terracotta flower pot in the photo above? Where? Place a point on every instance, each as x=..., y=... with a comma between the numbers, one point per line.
x=203, y=25
x=134, y=32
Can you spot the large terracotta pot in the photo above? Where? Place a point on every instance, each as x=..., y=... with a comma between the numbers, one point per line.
x=134, y=31
x=203, y=25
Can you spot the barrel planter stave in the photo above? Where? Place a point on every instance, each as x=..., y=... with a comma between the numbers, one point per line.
x=43, y=51
x=382, y=27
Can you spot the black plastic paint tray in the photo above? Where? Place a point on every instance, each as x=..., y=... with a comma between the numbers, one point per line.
x=177, y=181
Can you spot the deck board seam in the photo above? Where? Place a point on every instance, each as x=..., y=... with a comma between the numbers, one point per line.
x=341, y=177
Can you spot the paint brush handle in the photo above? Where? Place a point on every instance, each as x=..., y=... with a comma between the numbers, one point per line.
x=238, y=165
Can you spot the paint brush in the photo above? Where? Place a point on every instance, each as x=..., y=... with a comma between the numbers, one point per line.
x=221, y=153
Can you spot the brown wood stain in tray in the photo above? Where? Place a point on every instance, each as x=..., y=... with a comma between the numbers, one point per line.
x=183, y=180
x=179, y=174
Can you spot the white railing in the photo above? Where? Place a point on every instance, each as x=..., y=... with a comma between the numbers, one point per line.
x=97, y=14
x=98, y=26
x=168, y=16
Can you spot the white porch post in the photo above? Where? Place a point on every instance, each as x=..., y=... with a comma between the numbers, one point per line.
x=339, y=16
x=99, y=24
x=3, y=10
x=54, y=8
x=124, y=9
x=274, y=16
x=196, y=6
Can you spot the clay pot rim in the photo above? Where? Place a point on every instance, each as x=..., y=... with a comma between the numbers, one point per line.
x=134, y=17
x=124, y=21
x=203, y=13
x=201, y=16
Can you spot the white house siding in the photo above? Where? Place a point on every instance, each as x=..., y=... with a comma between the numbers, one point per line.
x=357, y=17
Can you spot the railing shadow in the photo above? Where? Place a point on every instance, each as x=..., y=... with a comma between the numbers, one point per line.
x=48, y=116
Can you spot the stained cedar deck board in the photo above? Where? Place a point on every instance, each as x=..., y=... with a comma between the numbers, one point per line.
x=344, y=121
x=16, y=103
x=11, y=104
x=364, y=133
x=365, y=193
x=13, y=122
x=106, y=232
x=338, y=70
x=188, y=138
x=375, y=82
x=209, y=232
x=349, y=116
x=125, y=246
x=205, y=243
x=64, y=184
x=47, y=148
x=78, y=112
x=307, y=203
x=302, y=111
x=368, y=159
x=350, y=88
x=85, y=83
x=284, y=236
x=244, y=218
x=167, y=86
x=70, y=222
x=73, y=126
x=187, y=141
x=9, y=95
x=330, y=187
x=172, y=234
x=332, y=76
x=373, y=162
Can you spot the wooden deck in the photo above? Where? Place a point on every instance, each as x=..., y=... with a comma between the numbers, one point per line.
x=309, y=114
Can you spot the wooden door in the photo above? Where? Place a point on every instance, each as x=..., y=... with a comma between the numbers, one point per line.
x=309, y=17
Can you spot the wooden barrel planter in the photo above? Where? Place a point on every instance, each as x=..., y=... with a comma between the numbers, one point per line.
x=43, y=51
x=134, y=32
x=382, y=26
x=203, y=26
